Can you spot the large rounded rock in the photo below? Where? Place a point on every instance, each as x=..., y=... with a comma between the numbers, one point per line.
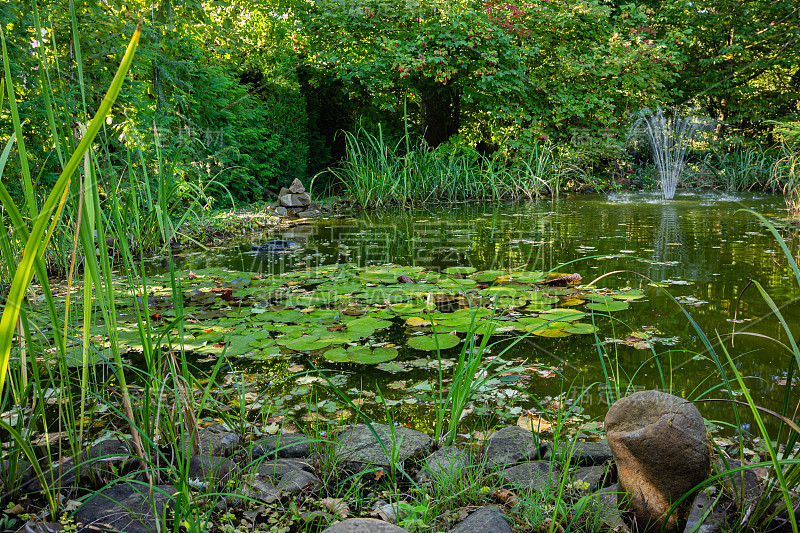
x=660, y=446
x=358, y=447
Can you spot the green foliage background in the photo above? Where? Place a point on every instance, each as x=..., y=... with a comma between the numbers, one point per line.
x=243, y=97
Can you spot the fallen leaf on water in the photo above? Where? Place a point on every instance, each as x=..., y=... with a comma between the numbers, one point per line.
x=296, y=368
x=533, y=422
x=417, y=322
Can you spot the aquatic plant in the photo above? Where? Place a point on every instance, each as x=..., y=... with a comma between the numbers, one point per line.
x=377, y=173
x=785, y=176
x=669, y=139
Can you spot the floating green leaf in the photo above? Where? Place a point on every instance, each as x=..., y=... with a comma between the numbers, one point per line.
x=442, y=341
x=459, y=270
x=615, y=305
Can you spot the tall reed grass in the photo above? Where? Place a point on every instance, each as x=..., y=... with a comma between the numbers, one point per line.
x=57, y=379
x=785, y=176
x=376, y=172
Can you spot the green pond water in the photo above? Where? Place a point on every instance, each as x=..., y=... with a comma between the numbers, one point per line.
x=696, y=247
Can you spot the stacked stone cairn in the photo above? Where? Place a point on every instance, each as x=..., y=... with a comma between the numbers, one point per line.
x=295, y=200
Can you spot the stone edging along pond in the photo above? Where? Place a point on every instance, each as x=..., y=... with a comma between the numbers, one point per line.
x=656, y=451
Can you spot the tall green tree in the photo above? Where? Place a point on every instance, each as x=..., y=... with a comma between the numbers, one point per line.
x=439, y=57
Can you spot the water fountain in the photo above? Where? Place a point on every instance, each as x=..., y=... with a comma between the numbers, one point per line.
x=669, y=139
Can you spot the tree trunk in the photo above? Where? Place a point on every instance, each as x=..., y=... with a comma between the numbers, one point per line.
x=440, y=110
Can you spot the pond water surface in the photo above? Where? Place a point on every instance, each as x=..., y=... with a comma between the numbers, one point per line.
x=697, y=249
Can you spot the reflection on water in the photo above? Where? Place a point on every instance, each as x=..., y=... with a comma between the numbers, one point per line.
x=697, y=247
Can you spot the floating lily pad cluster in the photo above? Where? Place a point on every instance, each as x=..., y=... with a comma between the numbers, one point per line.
x=369, y=315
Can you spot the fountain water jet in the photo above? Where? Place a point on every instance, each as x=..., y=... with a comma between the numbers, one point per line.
x=669, y=140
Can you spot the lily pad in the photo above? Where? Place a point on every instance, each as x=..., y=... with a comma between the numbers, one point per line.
x=306, y=343
x=562, y=315
x=459, y=270
x=361, y=355
x=580, y=329
x=615, y=305
x=488, y=275
x=430, y=342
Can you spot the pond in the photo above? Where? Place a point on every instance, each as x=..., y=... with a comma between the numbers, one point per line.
x=696, y=250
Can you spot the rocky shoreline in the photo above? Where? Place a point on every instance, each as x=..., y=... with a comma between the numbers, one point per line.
x=512, y=461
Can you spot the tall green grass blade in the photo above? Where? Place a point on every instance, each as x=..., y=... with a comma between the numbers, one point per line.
x=23, y=154
x=52, y=206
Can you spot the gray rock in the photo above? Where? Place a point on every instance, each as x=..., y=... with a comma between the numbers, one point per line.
x=444, y=463
x=281, y=211
x=296, y=187
x=534, y=475
x=606, y=509
x=509, y=446
x=277, y=468
x=295, y=200
x=583, y=453
x=217, y=440
x=211, y=469
x=285, y=200
x=363, y=525
x=291, y=445
x=36, y=526
x=705, y=516
x=299, y=481
x=253, y=486
x=302, y=199
x=357, y=448
x=489, y=519
x=289, y=475
x=97, y=465
x=124, y=507
x=593, y=475
x=742, y=487
x=660, y=447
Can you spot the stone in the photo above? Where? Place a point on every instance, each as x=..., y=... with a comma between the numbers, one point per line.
x=36, y=526
x=275, y=246
x=124, y=507
x=281, y=211
x=706, y=515
x=660, y=446
x=606, y=509
x=289, y=475
x=489, y=519
x=363, y=525
x=285, y=200
x=592, y=475
x=99, y=464
x=276, y=468
x=357, y=448
x=742, y=487
x=215, y=440
x=533, y=475
x=284, y=445
x=583, y=453
x=295, y=200
x=444, y=463
x=296, y=187
x=302, y=199
x=299, y=481
x=511, y=445
x=211, y=469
